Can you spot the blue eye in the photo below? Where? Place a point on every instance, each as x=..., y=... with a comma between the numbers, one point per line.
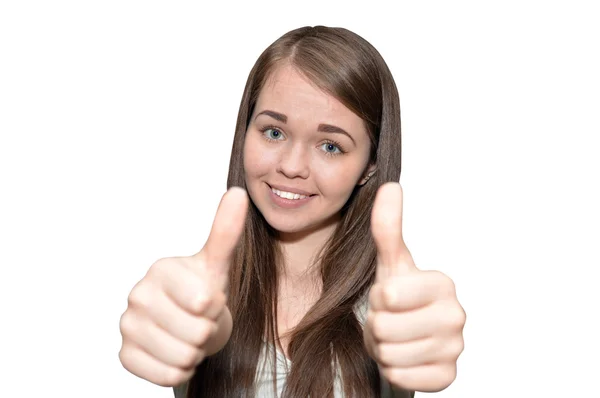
x=331, y=148
x=272, y=133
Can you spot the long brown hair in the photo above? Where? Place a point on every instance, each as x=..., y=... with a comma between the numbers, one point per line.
x=347, y=67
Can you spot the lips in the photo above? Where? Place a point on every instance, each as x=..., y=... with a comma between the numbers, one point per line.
x=283, y=188
x=289, y=198
x=288, y=195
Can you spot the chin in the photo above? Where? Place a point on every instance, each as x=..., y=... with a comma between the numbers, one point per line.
x=287, y=226
x=299, y=226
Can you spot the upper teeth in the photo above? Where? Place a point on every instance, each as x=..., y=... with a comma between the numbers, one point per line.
x=287, y=195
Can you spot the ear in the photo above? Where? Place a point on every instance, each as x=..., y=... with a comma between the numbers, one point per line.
x=368, y=174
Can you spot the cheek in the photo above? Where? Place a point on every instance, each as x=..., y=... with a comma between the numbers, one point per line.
x=338, y=178
x=258, y=160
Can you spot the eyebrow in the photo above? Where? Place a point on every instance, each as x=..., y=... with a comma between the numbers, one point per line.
x=323, y=127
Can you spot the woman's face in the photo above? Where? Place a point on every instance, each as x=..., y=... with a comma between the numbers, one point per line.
x=304, y=153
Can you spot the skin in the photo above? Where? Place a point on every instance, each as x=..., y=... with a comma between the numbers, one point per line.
x=300, y=157
x=176, y=315
x=290, y=151
x=415, y=323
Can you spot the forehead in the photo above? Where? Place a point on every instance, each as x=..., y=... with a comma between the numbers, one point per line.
x=290, y=92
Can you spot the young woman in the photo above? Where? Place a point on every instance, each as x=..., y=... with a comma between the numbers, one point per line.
x=304, y=286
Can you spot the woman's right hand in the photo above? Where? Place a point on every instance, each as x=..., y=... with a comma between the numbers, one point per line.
x=177, y=314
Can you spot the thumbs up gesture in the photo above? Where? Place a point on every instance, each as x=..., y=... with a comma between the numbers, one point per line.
x=415, y=322
x=177, y=314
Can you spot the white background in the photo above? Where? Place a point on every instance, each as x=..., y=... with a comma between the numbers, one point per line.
x=116, y=122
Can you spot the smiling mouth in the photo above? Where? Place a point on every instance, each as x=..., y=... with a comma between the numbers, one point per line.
x=289, y=195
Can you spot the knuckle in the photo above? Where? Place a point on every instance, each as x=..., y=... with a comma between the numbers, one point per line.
x=461, y=346
x=438, y=274
x=450, y=351
x=441, y=377
x=173, y=377
x=135, y=296
x=127, y=324
x=458, y=348
x=447, y=376
x=453, y=318
x=205, y=330
x=458, y=318
x=462, y=316
x=383, y=354
x=450, y=286
x=189, y=358
x=125, y=356
x=444, y=280
x=215, y=306
x=140, y=296
x=377, y=326
x=159, y=267
x=394, y=377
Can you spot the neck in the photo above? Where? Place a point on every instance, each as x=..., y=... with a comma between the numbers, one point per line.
x=300, y=250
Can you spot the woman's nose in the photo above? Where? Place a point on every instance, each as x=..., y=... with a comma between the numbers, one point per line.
x=294, y=161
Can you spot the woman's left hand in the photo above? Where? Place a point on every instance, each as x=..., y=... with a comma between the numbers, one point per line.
x=415, y=322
